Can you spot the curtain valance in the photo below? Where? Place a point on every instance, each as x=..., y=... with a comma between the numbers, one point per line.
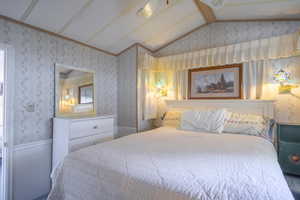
x=256, y=50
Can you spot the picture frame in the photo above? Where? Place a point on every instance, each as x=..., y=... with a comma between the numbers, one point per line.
x=86, y=94
x=219, y=82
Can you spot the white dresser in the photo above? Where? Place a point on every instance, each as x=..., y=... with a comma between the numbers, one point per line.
x=73, y=134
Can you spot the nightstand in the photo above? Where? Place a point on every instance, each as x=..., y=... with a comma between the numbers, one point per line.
x=289, y=148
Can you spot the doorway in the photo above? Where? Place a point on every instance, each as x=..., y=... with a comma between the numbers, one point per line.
x=1, y=118
x=6, y=120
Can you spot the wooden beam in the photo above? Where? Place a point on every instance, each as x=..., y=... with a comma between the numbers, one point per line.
x=206, y=11
x=54, y=34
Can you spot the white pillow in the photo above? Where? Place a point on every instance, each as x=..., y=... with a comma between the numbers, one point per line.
x=207, y=120
x=247, y=124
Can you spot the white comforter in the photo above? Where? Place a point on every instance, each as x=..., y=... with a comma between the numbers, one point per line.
x=169, y=164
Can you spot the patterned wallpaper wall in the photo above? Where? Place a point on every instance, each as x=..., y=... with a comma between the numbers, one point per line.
x=35, y=55
x=287, y=105
x=221, y=34
x=127, y=82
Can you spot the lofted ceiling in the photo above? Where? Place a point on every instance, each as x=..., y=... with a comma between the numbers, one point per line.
x=113, y=25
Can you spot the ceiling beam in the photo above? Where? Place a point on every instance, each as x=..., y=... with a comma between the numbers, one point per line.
x=206, y=11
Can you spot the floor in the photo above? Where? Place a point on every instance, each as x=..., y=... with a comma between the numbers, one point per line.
x=294, y=184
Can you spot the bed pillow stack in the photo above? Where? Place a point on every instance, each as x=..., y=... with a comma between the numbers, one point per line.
x=207, y=120
x=220, y=121
x=249, y=124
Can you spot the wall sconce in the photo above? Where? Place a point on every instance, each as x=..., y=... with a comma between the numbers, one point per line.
x=161, y=89
x=283, y=78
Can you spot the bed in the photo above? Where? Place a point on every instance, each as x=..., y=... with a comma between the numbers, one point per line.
x=171, y=164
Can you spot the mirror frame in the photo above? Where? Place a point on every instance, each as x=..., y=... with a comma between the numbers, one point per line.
x=56, y=92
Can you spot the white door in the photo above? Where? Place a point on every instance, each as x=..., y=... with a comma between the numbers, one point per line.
x=6, y=119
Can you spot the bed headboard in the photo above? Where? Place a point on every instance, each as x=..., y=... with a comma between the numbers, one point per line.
x=259, y=107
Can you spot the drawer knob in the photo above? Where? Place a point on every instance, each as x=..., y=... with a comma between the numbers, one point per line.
x=95, y=127
x=294, y=158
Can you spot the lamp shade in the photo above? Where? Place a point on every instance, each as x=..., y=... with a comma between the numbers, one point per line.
x=281, y=76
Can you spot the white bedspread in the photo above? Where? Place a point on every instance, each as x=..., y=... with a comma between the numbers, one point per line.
x=169, y=164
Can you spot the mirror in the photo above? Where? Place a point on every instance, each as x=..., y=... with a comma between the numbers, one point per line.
x=74, y=89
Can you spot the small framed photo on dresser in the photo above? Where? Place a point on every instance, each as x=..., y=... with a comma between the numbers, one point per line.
x=221, y=82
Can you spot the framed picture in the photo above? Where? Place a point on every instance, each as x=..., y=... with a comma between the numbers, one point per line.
x=86, y=94
x=222, y=82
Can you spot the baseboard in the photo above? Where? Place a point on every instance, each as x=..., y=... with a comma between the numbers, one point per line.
x=31, y=169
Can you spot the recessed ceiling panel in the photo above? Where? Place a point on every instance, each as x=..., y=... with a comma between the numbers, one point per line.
x=13, y=8
x=180, y=14
x=99, y=14
x=259, y=9
x=171, y=22
x=138, y=29
x=54, y=14
x=115, y=31
x=174, y=32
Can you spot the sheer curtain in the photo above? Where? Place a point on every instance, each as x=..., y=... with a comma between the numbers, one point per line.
x=147, y=103
x=264, y=49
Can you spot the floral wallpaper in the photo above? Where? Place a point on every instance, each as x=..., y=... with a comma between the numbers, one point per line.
x=127, y=88
x=287, y=106
x=35, y=55
x=221, y=34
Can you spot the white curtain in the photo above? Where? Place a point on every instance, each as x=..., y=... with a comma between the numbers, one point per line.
x=255, y=55
x=264, y=49
x=146, y=87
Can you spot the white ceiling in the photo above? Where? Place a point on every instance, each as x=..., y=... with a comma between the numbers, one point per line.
x=113, y=25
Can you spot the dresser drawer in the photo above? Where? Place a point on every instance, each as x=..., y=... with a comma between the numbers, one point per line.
x=80, y=143
x=84, y=128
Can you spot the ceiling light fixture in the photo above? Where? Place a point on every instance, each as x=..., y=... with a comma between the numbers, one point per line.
x=153, y=6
